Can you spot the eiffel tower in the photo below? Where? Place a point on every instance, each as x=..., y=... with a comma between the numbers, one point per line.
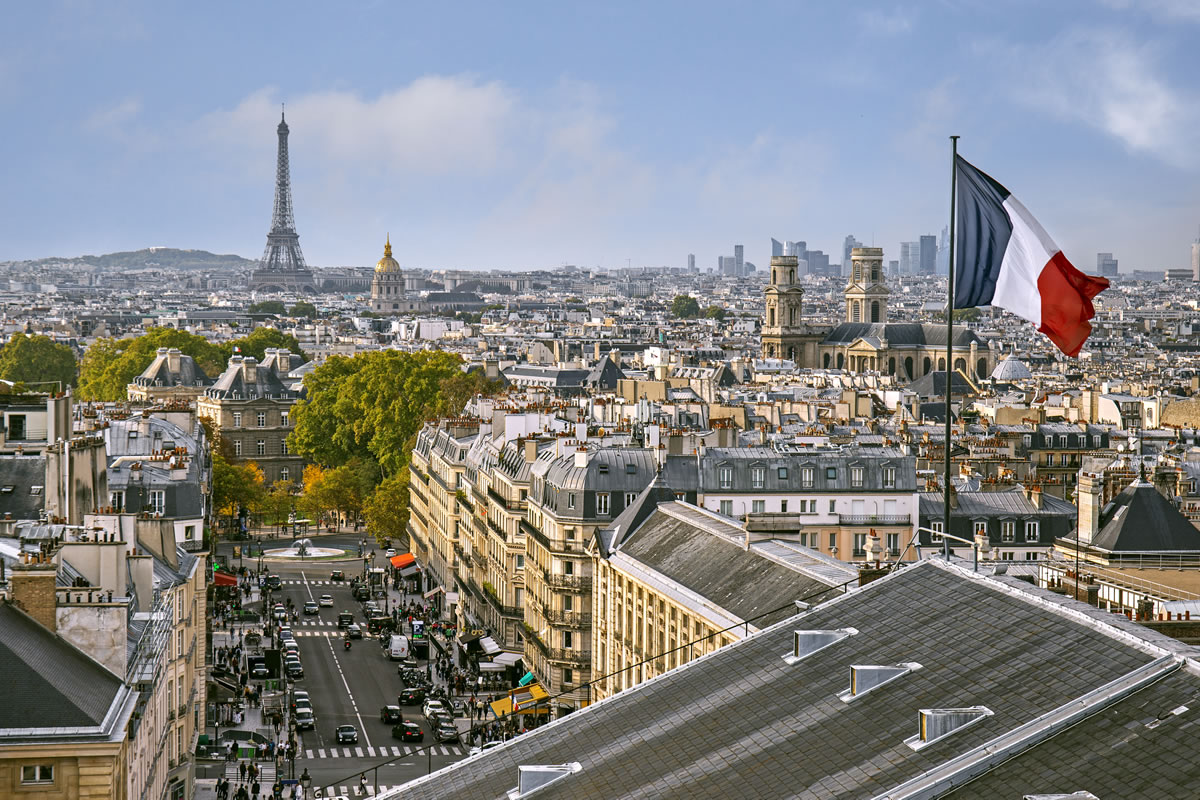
x=282, y=268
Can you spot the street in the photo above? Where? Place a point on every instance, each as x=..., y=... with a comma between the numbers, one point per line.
x=349, y=687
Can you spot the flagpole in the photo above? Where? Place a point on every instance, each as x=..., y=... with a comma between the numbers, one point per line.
x=949, y=349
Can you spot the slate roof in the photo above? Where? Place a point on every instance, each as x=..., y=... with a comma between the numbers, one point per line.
x=22, y=473
x=691, y=551
x=902, y=334
x=48, y=682
x=1139, y=519
x=996, y=504
x=934, y=385
x=741, y=722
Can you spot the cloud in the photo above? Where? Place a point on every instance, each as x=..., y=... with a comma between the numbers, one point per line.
x=1171, y=10
x=886, y=23
x=434, y=125
x=1104, y=80
x=113, y=120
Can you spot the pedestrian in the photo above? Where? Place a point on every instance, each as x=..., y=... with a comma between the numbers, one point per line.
x=241, y=772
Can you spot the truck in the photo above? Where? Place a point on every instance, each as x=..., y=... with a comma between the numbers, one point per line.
x=398, y=647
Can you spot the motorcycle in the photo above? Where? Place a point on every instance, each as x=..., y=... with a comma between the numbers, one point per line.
x=346, y=643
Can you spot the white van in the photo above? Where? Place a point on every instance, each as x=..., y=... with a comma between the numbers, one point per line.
x=398, y=647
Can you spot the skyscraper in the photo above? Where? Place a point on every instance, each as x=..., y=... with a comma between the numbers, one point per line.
x=739, y=260
x=910, y=258
x=1106, y=265
x=1196, y=259
x=691, y=262
x=848, y=245
x=943, y=254
x=777, y=248
x=282, y=268
x=928, y=257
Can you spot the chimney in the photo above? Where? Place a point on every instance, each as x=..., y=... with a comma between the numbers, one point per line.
x=173, y=358
x=250, y=370
x=283, y=361
x=581, y=431
x=1088, y=497
x=531, y=450
x=33, y=583
x=581, y=458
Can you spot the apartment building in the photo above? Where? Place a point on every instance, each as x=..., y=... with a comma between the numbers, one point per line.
x=250, y=405
x=172, y=377
x=1057, y=449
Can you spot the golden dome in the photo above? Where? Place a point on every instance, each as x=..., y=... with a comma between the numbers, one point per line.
x=387, y=263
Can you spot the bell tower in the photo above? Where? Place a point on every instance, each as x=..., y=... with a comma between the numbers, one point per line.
x=783, y=334
x=866, y=290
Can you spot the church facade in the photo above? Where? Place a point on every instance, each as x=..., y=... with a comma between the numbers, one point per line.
x=864, y=341
x=387, y=287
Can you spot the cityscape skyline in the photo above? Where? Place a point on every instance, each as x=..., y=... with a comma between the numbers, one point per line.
x=493, y=156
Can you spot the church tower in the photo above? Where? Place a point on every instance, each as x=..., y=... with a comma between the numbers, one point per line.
x=387, y=285
x=783, y=334
x=866, y=291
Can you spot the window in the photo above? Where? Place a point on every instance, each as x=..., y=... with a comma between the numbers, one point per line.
x=569, y=533
x=158, y=501
x=630, y=497
x=571, y=500
x=856, y=477
x=189, y=532
x=937, y=528
x=631, y=469
x=35, y=490
x=832, y=506
x=889, y=477
x=783, y=506
x=520, y=561
x=283, y=447
x=726, y=477
x=727, y=508
x=132, y=435
x=758, y=506
x=602, y=469
x=1027, y=440
x=832, y=540
x=893, y=543
x=757, y=476
x=237, y=448
x=1062, y=440
x=1006, y=555
x=806, y=477
x=261, y=419
x=1032, y=532
x=568, y=676
x=980, y=527
x=568, y=640
x=1062, y=459
x=117, y=501
x=260, y=447
x=284, y=473
x=1008, y=531
x=831, y=473
x=1031, y=556
x=568, y=602
x=283, y=418
x=1096, y=441
x=680, y=496
x=602, y=503
x=782, y=473
x=237, y=419
x=37, y=773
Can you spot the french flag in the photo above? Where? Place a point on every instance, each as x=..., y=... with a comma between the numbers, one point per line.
x=1006, y=259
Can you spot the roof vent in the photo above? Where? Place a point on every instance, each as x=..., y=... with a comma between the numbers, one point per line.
x=865, y=677
x=938, y=723
x=536, y=776
x=809, y=642
x=1081, y=795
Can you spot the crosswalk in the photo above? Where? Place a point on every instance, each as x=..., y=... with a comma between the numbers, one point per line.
x=356, y=790
x=266, y=771
x=381, y=752
x=315, y=583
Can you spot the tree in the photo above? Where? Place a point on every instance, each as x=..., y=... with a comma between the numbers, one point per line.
x=278, y=501
x=715, y=312
x=268, y=307
x=304, y=310
x=684, y=306
x=38, y=359
x=110, y=365
x=235, y=486
x=259, y=340
x=386, y=510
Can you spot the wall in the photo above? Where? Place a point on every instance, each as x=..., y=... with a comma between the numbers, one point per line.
x=97, y=629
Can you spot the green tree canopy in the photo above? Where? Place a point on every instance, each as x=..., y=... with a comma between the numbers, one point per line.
x=715, y=312
x=684, y=306
x=110, y=365
x=268, y=307
x=374, y=403
x=257, y=342
x=303, y=309
x=38, y=359
x=387, y=510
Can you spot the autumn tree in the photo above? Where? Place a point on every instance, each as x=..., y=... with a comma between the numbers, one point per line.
x=386, y=511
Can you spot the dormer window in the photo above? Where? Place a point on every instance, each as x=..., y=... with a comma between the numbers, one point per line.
x=725, y=477
x=602, y=469
x=757, y=477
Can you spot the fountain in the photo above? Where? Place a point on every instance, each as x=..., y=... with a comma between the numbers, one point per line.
x=303, y=548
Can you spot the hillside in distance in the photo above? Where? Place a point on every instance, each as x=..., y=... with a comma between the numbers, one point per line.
x=150, y=257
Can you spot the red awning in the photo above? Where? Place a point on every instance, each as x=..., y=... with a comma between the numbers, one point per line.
x=224, y=579
x=403, y=560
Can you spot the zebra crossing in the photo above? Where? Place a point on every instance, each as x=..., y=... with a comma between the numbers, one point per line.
x=314, y=583
x=381, y=752
x=364, y=790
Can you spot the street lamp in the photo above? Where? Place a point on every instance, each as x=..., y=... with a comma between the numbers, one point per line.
x=980, y=544
x=305, y=784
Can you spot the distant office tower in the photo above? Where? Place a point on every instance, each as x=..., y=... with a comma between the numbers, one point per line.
x=1106, y=265
x=691, y=262
x=797, y=249
x=928, y=257
x=728, y=266
x=777, y=248
x=943, y=254
x=849, y=244
x=1196, y=259
x=739, y=260
x=910, y=257
x=893, y=267
x=818, y=263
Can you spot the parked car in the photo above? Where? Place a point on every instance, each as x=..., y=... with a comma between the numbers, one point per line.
x=337, y=575
x=431, y=706
x=445, y=732
x=458, y=708
x=411, y=697
x=390, y=714
x=305, y=720
x=408, y=732
x=346, y=734
x=297, y=696
x=311, y=608
x=325, y=601
x=391, y=551
x=294, y=670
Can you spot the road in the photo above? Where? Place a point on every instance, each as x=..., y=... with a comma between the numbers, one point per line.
x=348, y=687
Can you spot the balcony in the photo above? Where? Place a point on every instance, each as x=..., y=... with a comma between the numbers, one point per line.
x=875, y=519
x=579, y=583
x=496, y=529
x=538, y=536
x=574, y=619
x=583, y=657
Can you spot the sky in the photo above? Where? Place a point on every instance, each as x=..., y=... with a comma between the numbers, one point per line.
x=534, y=134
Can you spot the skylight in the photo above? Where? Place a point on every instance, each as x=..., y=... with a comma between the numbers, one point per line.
x=938, y=723
x=808, y=642
x=865, y=678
